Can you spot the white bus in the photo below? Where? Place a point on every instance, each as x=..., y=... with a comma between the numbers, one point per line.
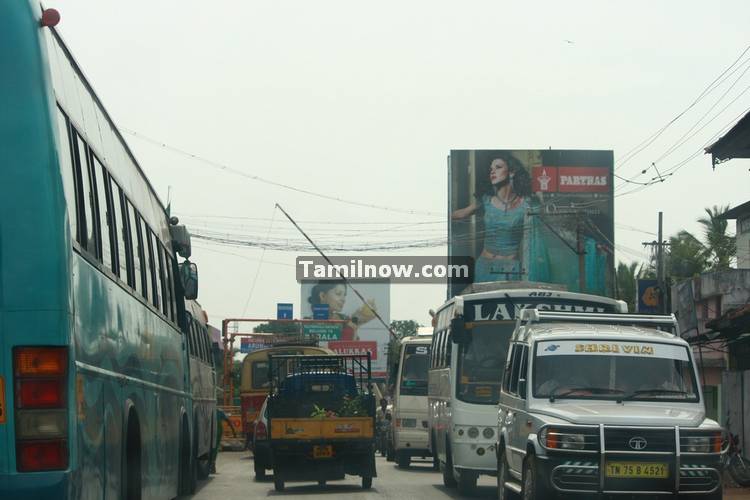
x=466, y=372
x=410, y=436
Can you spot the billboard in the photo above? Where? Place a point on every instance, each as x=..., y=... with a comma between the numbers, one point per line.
x=362, y=332
x=534, y=215
x=648, y=296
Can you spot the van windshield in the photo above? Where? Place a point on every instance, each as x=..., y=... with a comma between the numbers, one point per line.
x=588, y=369
x=414, y=371
x=481, y=362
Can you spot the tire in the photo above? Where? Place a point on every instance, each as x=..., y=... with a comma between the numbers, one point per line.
x=449, y=481
x=132, y=461
x=188, y=473
x=502, y=477
x=278, y=484
x=260, y=470
x=390, y=453
x=402, y=459
x=739, y=469
x=534, y=486
x=366, y=482
x=467, y=482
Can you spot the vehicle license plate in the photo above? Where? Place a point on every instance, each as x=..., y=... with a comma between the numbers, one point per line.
x=322, y=451
x=637, y=470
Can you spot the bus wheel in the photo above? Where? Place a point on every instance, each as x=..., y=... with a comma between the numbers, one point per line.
x=260, y=469
x=132, y=475
x=188, y=480
x=449, y=481
x=202, y=464
x=467, y=482
x=278, y=484
x=402, y=459
x=366, y=482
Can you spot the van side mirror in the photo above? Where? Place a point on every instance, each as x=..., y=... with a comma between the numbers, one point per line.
x=459, y=334
x=189, y=279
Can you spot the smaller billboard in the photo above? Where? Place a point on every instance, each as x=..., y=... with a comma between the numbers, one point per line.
x=284, y=311
x=648, y=296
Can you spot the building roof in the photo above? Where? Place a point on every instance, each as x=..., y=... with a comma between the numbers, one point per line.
x=733, y=144
x=736, y=212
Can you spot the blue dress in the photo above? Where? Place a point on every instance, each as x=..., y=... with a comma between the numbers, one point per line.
x=503, y=234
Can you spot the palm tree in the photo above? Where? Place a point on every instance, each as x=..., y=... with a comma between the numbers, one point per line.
x=687, y=256
x=625, y=277
x=720, y=247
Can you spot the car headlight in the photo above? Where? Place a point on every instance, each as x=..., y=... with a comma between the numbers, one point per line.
x=488, y=432
x=572, y=442
x=473, y=432
x=697, y=444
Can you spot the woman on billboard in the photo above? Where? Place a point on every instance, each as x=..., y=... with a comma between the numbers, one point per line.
x=333, y=293
x=503, y=207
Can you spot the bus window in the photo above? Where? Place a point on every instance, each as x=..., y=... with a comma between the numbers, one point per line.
x=85, y=198
x=137, y=268
x=145, y=281
x=153, y=268
x=66, y=170
x=481, y=363
x=170, y=298
x=260, y=374
x=127, y=238
x=102, y=195
x=162, y=275
x=414, y=370
x=118, y=222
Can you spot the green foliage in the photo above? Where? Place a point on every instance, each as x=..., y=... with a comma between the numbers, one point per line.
x=625, y=277
x=404, y=328
x=720, y=247
x=351, y=407
x=686, y=257
x=277, y=327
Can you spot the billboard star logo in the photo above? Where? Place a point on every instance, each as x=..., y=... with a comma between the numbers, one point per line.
x=544, y=181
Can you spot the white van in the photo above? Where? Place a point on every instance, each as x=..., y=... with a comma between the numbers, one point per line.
x=596, y=404
x=410, y=426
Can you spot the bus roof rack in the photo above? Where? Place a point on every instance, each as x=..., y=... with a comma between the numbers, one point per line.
x=661, y=322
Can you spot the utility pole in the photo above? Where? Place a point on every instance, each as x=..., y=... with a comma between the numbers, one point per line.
x=660, y=244
x=581, y=257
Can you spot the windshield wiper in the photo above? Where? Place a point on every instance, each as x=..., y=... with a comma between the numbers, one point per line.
x=596, y=390
x=655, y=390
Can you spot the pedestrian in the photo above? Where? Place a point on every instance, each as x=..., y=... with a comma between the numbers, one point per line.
x=221, y=417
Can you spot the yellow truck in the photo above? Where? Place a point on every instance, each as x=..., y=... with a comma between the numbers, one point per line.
x=321, y=418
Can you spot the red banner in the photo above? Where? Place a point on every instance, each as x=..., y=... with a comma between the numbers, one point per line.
x=544, y=179
x=355, y=347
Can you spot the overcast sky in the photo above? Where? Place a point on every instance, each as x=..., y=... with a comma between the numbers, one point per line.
x=364, y=101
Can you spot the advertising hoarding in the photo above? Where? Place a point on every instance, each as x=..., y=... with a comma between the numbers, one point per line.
x=543, y=216
x=362, y=332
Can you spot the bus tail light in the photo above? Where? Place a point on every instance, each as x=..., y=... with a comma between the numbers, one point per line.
x=40, y=375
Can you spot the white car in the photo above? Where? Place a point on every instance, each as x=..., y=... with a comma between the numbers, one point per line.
x=603, y=404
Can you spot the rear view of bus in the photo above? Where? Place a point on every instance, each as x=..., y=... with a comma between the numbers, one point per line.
x=410, y=426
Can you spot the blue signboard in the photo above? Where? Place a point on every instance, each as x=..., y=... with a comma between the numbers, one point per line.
x=648, y=297
x=320, y=311
x=284, y=311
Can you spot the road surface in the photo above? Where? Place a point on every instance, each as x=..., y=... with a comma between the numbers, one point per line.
x=236, y=481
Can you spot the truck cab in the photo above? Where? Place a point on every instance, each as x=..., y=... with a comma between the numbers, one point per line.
x=603, y=404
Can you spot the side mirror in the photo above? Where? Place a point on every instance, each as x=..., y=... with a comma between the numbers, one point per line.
x=459, y=334
x=189, y=279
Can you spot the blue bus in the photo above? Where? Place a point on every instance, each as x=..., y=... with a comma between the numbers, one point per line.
x=95, y=395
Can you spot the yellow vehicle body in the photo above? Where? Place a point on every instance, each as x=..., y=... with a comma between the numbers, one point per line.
x=323, y=428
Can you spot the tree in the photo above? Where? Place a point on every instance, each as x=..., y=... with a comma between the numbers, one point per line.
x=686, y=257
x=404, y=328
x=720, y=248
x=277, y=327
x=625, y=276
